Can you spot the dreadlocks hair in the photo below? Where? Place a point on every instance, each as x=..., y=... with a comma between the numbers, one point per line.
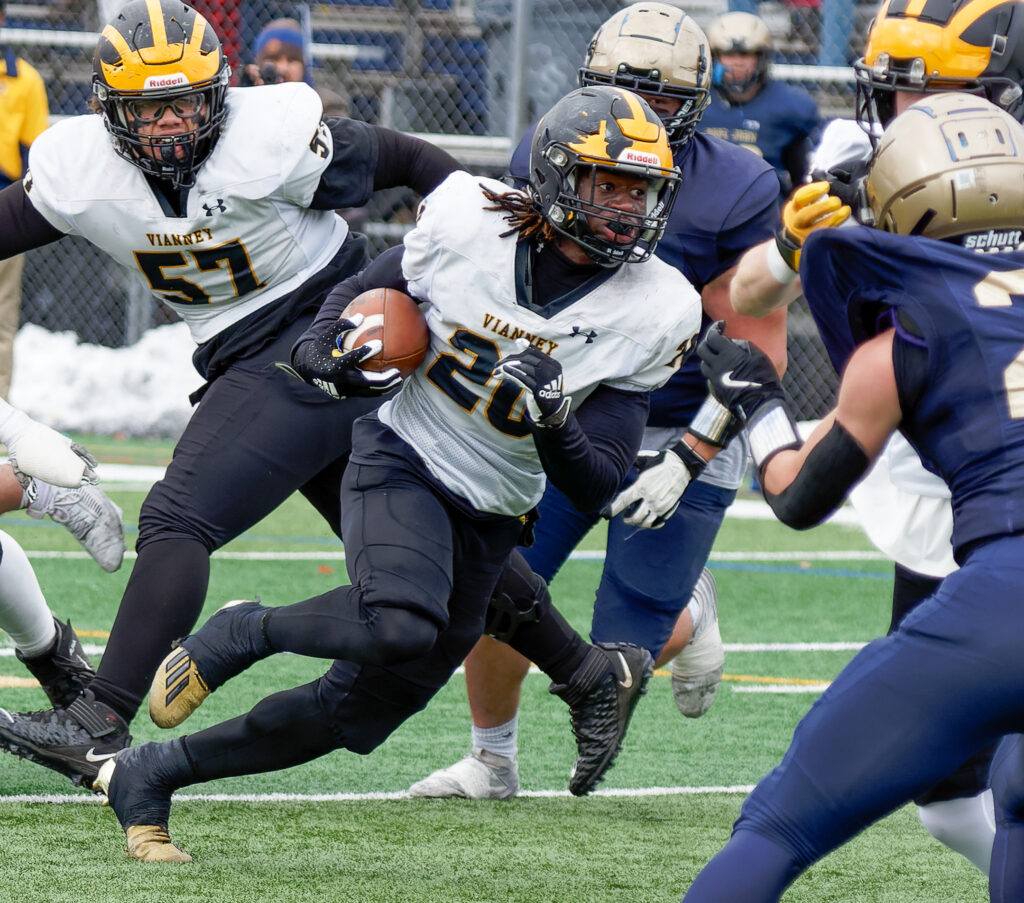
x=521, y=214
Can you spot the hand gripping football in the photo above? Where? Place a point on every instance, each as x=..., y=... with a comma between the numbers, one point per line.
x=395, y=320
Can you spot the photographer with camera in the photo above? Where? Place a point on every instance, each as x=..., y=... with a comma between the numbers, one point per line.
x=282, y=55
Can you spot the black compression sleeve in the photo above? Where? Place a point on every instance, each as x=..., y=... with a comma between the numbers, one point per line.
x=405, y=160
x=828, y=472
x=25, y=227
x=384, y=271
x=587, y=458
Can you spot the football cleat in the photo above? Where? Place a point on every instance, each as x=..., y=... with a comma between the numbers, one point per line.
x=74, y=740
x=230, y=641
x=602, y=694
x=63, y=672
x=141, y=800
x=92, y=518
x=481, y=775
x=697, y=669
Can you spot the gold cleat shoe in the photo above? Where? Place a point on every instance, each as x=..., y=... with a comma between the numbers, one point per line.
x=152, y=843
x=177, y=690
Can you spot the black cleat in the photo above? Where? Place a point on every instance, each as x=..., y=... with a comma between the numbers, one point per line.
x=75, y=740
x=602, y=695
x=64, y=671
x=141, y=799
x=228, y=643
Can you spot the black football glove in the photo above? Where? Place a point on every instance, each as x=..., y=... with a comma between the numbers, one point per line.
x=322, y=362
x=846, y=182
x=739, y=375
x=541, y=376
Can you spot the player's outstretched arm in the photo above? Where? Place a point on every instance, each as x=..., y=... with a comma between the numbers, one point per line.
x=766, y=276
x=804, y=482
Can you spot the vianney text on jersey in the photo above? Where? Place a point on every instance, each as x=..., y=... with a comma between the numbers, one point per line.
x=630, y=332
x=246, y=238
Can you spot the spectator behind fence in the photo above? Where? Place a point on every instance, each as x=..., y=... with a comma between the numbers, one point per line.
x=282, y=55
x=24, y=113
x=777, y=121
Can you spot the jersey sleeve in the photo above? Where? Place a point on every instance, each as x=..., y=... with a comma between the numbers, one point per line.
x=306, y=143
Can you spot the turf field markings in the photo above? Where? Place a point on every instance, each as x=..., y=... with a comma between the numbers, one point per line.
x=398, y=796
x=578, y=555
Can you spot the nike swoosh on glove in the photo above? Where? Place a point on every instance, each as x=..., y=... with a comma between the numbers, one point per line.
x=739, y=375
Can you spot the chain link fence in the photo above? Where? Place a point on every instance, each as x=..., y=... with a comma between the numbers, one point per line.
x=466, y=74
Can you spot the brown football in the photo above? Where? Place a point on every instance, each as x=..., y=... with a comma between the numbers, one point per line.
x=395, y=319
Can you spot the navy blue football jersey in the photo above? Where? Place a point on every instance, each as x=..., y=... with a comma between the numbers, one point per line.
x=728, y=201
x=967, y=308
x=781, y=123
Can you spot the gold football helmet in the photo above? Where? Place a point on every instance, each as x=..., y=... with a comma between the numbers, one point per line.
x=958, y=45
x=654, y=48
x=949, y=165
x=609, y=128
x=740, y=33
x=154, y=56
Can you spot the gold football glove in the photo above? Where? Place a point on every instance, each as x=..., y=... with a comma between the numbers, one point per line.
x=810, y=207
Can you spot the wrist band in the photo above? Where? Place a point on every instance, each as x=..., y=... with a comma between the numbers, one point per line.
x=712, y=422
x=771, y=430
x=777, y=266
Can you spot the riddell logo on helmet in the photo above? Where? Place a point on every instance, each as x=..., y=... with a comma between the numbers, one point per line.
x=634, y=156
x=174, y=80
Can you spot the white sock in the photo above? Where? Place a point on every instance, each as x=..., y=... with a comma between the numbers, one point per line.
x=24, y=613
x=966, y=825
x=37, y=499
x=501, y=740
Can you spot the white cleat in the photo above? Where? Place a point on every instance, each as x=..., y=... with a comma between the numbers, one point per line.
x=91, y=517
x=479, y=776
x=697, y=669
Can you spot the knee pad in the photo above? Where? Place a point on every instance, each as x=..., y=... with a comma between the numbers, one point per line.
x=400, y=635
x=520, y=597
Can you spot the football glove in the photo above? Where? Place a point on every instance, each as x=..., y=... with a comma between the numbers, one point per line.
x=323, y=362
x=739, y=375
x=40, y=452
x=650, y=500
x=810, y=207
x=540, y=375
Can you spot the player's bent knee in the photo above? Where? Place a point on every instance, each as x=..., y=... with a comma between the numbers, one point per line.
x=401, y=635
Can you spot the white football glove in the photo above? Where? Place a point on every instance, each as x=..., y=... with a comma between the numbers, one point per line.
x=40, y=452
x=653, y=497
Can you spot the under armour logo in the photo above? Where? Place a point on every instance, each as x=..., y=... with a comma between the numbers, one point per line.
x=589, y=336
x=219, y=207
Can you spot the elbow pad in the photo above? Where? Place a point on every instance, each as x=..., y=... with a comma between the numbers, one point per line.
x=828, y=473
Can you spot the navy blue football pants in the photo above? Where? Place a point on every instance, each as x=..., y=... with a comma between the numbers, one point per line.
x=648, y=575
x=906, y=711
x=410, y=548
x=257, y=436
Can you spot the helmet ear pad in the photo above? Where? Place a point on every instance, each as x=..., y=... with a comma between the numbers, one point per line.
x=139, y=59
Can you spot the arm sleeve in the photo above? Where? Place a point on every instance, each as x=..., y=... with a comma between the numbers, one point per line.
x=366, y=158
x=385, y=271
x=25, y=227
x=405, y=160
x=588, y=457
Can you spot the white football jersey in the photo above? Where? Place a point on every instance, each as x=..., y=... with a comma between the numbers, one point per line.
x=247, y=237
x=630, y=332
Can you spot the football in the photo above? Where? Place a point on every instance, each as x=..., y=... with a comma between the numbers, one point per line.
x=395, y=319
